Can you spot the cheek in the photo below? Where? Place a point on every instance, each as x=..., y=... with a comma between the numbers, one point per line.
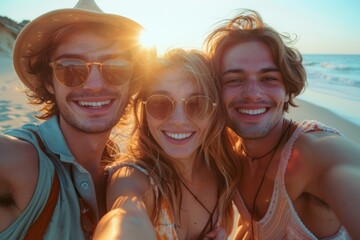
x=227, y=95
x=278, y=93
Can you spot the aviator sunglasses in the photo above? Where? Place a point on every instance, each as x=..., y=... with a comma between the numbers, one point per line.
x=73, y=72
x=197, y=108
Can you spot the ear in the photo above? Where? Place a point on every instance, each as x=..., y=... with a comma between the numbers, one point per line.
x=50, y=88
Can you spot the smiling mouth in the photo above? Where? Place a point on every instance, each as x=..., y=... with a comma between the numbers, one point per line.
x=94, y=103
x=251, y=111
x=178, y=136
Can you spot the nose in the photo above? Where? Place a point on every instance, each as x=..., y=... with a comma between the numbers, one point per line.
x=251, y=89
x=94, y=81
x=179, y=114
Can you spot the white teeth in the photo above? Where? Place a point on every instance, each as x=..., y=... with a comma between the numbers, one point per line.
x=94, y=104
x=178, y=136
x=252, y=111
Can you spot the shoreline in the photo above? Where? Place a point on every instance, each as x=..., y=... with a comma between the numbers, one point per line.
x=340, y=106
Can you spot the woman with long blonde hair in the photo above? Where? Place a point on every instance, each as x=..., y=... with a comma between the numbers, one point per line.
x=176, y=179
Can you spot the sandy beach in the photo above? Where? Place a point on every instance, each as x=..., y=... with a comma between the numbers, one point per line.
x=14, y=109
x=308, y=110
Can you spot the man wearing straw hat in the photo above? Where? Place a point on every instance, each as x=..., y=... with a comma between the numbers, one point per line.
x=80, y=65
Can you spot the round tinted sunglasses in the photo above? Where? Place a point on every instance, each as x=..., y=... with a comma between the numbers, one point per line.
x=197, y=108
x=73, y=72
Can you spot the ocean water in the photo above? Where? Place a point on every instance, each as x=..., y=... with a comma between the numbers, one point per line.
x=334, y=74
x=334, y=83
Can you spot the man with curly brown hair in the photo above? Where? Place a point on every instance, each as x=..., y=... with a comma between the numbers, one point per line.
x=298, y=180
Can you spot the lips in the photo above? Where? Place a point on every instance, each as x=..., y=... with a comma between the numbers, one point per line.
x=178, y=136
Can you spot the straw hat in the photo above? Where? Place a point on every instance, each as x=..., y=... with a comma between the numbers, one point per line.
x=33, y=35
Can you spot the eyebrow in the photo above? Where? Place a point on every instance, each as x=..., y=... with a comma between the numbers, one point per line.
x=239, y=70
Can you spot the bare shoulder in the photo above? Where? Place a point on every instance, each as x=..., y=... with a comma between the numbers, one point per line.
x=128, y=181
x=318, y=156
x=16, y=155
x=131, y=177
x=325, y=149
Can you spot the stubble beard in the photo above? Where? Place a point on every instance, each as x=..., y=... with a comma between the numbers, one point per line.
x=98, y=126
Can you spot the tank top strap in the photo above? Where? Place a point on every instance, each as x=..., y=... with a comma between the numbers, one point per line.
x=118, y=165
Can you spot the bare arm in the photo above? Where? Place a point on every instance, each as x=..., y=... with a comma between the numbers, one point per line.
x=128, y=217
x=18, y=177
x=339, y=180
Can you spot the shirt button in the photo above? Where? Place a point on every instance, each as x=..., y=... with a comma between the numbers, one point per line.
x=84, y=185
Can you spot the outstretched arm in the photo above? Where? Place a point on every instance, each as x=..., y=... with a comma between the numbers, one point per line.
x=128, y=217
x=339, y=181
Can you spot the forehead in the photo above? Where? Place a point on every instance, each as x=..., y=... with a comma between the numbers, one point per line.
x=248, y=55
x=174, y=81
x=90, y=44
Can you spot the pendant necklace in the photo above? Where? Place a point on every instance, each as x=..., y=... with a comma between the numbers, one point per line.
x=273, y=151
x=267, y=153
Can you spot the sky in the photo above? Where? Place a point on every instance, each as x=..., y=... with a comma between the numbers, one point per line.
x=321, y=26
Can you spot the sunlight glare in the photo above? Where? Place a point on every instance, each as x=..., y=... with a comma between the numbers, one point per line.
x=147, y=39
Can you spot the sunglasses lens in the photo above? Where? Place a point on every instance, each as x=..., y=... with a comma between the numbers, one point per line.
x=199, y=108
x=71, y=72
x=116, y=71
x=159, y=107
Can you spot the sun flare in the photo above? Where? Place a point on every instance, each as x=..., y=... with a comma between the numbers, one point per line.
x=147, y=39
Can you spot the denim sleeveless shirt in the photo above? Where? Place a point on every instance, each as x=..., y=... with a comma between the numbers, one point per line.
x=65, y=222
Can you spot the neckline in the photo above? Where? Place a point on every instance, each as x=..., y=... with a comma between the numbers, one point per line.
x=266, y=217
x=211, y=213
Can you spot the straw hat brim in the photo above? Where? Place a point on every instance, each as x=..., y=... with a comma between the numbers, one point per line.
x=33, y=35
